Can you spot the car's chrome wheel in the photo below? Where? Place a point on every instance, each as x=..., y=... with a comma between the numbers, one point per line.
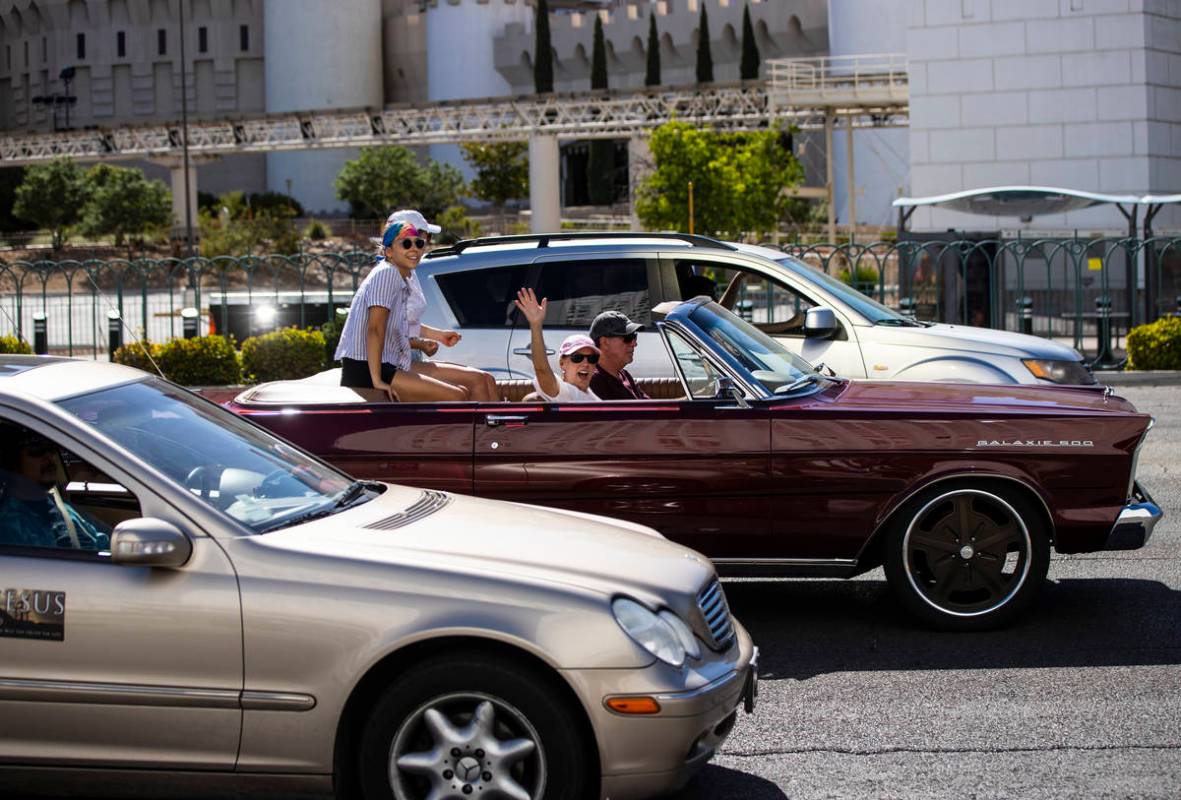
x=968, y=558
x=474, y=725
x=467, y=744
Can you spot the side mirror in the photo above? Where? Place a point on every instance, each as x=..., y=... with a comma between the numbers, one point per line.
x=820, y=323
x=149, y=542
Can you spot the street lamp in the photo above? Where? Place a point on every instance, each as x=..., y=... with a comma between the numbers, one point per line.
x=184, y=121
x=64, y=99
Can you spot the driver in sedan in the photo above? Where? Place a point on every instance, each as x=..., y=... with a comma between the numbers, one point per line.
x=33, y=509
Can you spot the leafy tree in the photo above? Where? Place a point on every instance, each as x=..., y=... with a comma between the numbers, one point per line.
x=10, y=178
x=705, y=59
x=122, y=202
x=543, y=51
x=233, y=227
x=271, y=201
x=600, y=162
x=51, y=197
x=652, y=72
x=749, y=69
x=740, y=181
x=385, y=178
x=502, y=171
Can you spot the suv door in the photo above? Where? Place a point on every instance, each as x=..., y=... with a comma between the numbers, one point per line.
x=768, y=302
x=578, y=289
x=103, y=664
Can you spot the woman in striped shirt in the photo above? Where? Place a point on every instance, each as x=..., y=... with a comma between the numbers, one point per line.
x=375, y=345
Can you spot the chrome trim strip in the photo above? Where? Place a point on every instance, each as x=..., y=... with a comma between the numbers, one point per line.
x=786, y=562
x=116, y=694
x=1134, y=519
x=277, y=701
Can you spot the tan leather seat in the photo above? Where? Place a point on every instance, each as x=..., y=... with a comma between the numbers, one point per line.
x=516, y=391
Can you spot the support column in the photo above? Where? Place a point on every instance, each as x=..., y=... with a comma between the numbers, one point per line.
x=639, y=167
x=545, y=199
x=850, y=182
x=177, y=176
x=829, y=184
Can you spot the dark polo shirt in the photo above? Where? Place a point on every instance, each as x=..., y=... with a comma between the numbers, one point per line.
x=607, y=387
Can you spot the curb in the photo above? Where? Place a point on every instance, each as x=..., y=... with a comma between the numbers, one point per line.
x=1162, y=377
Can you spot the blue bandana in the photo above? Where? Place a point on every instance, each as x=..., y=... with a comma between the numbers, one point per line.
x=391, y=233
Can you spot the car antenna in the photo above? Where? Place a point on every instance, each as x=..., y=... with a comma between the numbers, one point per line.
x=119, y=316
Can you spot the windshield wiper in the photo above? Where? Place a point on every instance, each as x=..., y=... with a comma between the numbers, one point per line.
x=350, y=494
x=299, y=520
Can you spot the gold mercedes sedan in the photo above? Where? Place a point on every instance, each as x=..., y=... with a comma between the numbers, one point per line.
x=187, y=600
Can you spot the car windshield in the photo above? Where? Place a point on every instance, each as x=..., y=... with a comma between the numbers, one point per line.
x=768, y=362
x=252, y=476
x=871, y=309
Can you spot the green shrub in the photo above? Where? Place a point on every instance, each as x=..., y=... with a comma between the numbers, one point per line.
x=11, y=344
x=135, y=354
x=331, y=330
x=1155, y=346
x=201, y=361
x=285, y=354
x=867, y=276
x=316, y=231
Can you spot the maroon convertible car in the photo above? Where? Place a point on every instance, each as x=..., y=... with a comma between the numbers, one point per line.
x=770, y=467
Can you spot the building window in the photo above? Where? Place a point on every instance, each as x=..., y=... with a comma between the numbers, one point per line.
x=121, y=44
x=26, y=53
x=81, y=52
x=202, y=40
x=243, y=38
x=8, y=56
x=44, y=49
x=162, y=42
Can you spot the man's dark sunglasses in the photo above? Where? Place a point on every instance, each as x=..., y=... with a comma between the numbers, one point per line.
x=629, y=338
x=407, y=243
x=593, y=358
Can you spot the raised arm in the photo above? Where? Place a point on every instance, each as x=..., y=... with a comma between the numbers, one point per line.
x=534, y=313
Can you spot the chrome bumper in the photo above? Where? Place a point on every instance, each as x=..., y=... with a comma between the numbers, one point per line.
x=1133, y=527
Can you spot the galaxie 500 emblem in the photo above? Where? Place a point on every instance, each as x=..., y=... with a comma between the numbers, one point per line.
x=33, y=614
x=1035, y=443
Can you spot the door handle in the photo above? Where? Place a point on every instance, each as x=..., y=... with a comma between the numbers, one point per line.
x=525, y=351
x=496, y=420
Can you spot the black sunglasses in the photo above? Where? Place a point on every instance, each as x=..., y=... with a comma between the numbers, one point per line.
x=408, y=243
x=593, y=358
x=629, y=338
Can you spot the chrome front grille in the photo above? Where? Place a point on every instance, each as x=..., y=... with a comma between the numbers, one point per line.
x=716, y=612
x=427, y=503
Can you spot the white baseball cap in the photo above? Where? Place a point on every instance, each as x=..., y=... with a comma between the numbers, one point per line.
x=411, y=217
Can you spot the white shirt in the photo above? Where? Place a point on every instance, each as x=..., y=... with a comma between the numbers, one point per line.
x=383, y=286
x=415, y=305
x=568, y=393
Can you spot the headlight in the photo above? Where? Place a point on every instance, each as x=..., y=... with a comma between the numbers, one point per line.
x=1068, y=372
x=649, y=631
x=688, y=640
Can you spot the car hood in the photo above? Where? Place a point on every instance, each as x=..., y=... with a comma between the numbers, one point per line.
x=975, y=340
x=412, y=527
x=975, y=399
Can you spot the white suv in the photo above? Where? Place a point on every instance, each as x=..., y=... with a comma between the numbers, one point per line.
x=470, y=287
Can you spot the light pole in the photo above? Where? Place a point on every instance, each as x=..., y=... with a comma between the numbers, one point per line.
x=184, y=122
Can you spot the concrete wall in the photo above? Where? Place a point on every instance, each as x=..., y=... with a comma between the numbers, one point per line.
x=1084, y=94
x=320, y=55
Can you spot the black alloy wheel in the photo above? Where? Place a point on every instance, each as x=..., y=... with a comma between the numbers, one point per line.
x=456, y=727
x=968, y=558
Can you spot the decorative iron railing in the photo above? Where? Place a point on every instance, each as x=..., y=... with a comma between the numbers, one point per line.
x=1086, y=292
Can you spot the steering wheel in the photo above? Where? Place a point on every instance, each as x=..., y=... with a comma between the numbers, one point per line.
x=271, y=482
x=200, y=477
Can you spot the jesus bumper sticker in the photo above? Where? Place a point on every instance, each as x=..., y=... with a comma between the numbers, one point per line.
x=33, y=614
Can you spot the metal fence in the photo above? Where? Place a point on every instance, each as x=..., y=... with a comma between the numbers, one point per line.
x=1087, y=292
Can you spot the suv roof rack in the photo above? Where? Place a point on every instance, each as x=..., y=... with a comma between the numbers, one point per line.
x=543, y=240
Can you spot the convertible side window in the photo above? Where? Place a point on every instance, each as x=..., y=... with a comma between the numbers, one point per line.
x=770, y=306
x=53, y=501
x=700, y=377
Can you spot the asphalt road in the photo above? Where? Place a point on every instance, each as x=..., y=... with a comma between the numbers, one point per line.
x=1082, y=699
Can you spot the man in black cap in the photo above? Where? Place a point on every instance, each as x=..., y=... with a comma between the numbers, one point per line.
x=615, y=336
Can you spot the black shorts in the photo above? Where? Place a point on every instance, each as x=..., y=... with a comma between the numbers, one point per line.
x=355, y=373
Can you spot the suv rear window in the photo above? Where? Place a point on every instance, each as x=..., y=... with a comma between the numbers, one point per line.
x=483, y=298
